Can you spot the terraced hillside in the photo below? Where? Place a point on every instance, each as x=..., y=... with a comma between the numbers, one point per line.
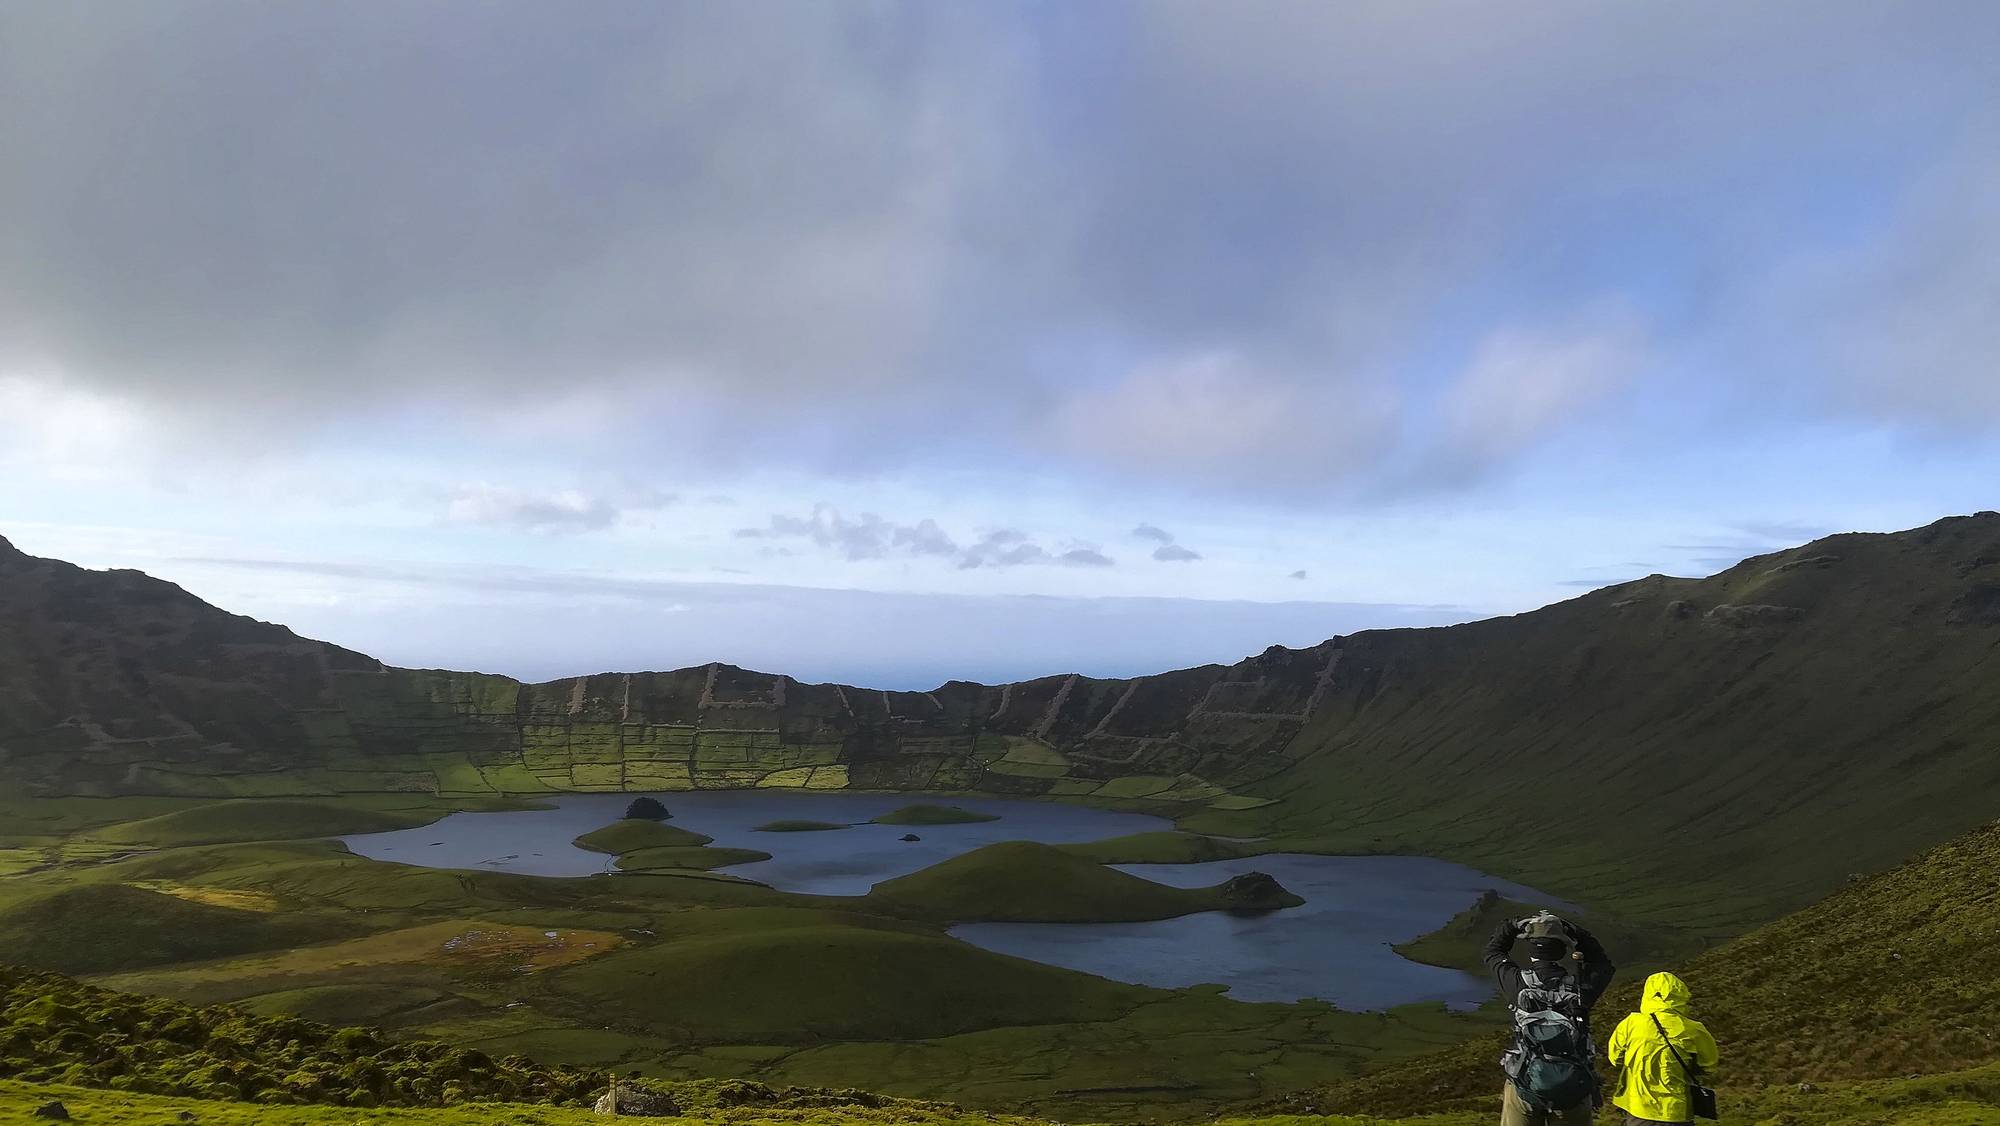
x=1704, y=753
x=118, y=683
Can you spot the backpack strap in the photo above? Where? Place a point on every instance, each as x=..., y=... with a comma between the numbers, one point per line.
x=1686, y=1071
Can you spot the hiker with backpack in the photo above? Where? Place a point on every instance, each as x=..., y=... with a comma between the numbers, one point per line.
x=1661, y=1052
x=1551, y=1077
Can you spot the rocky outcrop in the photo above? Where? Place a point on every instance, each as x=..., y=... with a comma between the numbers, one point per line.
x=646, y=809
x=1744, y=617
x=625, y=1098
x=1257, y=891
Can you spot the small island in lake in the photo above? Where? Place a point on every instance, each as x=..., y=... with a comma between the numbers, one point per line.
x=799, y=826
x=933, y=815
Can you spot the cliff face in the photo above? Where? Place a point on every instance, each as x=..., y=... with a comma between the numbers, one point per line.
x=114, y=682
x=1704, y=750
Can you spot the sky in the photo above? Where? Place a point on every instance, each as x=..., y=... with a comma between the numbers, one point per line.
x=897, y=343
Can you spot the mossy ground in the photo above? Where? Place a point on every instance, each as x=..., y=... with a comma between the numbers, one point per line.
x=716, y=1104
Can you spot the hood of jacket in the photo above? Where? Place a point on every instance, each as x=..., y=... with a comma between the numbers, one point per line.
x=1665, y=993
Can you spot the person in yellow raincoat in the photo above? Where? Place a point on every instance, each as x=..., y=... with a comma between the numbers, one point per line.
x=1652, y=1086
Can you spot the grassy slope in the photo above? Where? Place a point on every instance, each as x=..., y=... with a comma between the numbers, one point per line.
x=1646, y=750
x=749, y=977
x=1958, y=1098
x=234, y=821
x=1021, y=881
x=1962, y=1099
x=927, y=814
x=1162, y=848
x=725, y=1103
x=703, y=858
x=94, y=928
x=1897, y=974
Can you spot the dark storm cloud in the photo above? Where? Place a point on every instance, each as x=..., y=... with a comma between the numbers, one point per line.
x=844, y=235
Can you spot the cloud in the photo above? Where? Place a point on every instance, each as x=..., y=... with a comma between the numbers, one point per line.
x=1168, y=551
x=925, y=538
x=869, y=536
x=1085, y=557
x=1004, y=548
x=1523, y=385
x=562, y=510
x=943, y=235
x=1296, y=575
x=1224, y=418
x=1900, y=325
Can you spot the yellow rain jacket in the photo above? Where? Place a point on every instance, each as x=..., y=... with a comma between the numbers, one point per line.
x=1652, y=1085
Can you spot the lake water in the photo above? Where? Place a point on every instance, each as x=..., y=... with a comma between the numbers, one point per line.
x=1336, y=947
x=536, y=842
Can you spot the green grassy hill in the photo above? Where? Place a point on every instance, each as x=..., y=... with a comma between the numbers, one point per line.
x=233, y=821
x=95, y=928
x=624, y=836
x=1020, y=881
x=1701, y=754
x=777, y=977
x=926, y=813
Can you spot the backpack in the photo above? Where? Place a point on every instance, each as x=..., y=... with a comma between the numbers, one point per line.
x=1549, y=1061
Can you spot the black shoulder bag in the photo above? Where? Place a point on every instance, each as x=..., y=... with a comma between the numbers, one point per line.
x=1701, y=1100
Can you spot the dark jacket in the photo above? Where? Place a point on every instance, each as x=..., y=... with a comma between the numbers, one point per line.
x=1595, y=975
